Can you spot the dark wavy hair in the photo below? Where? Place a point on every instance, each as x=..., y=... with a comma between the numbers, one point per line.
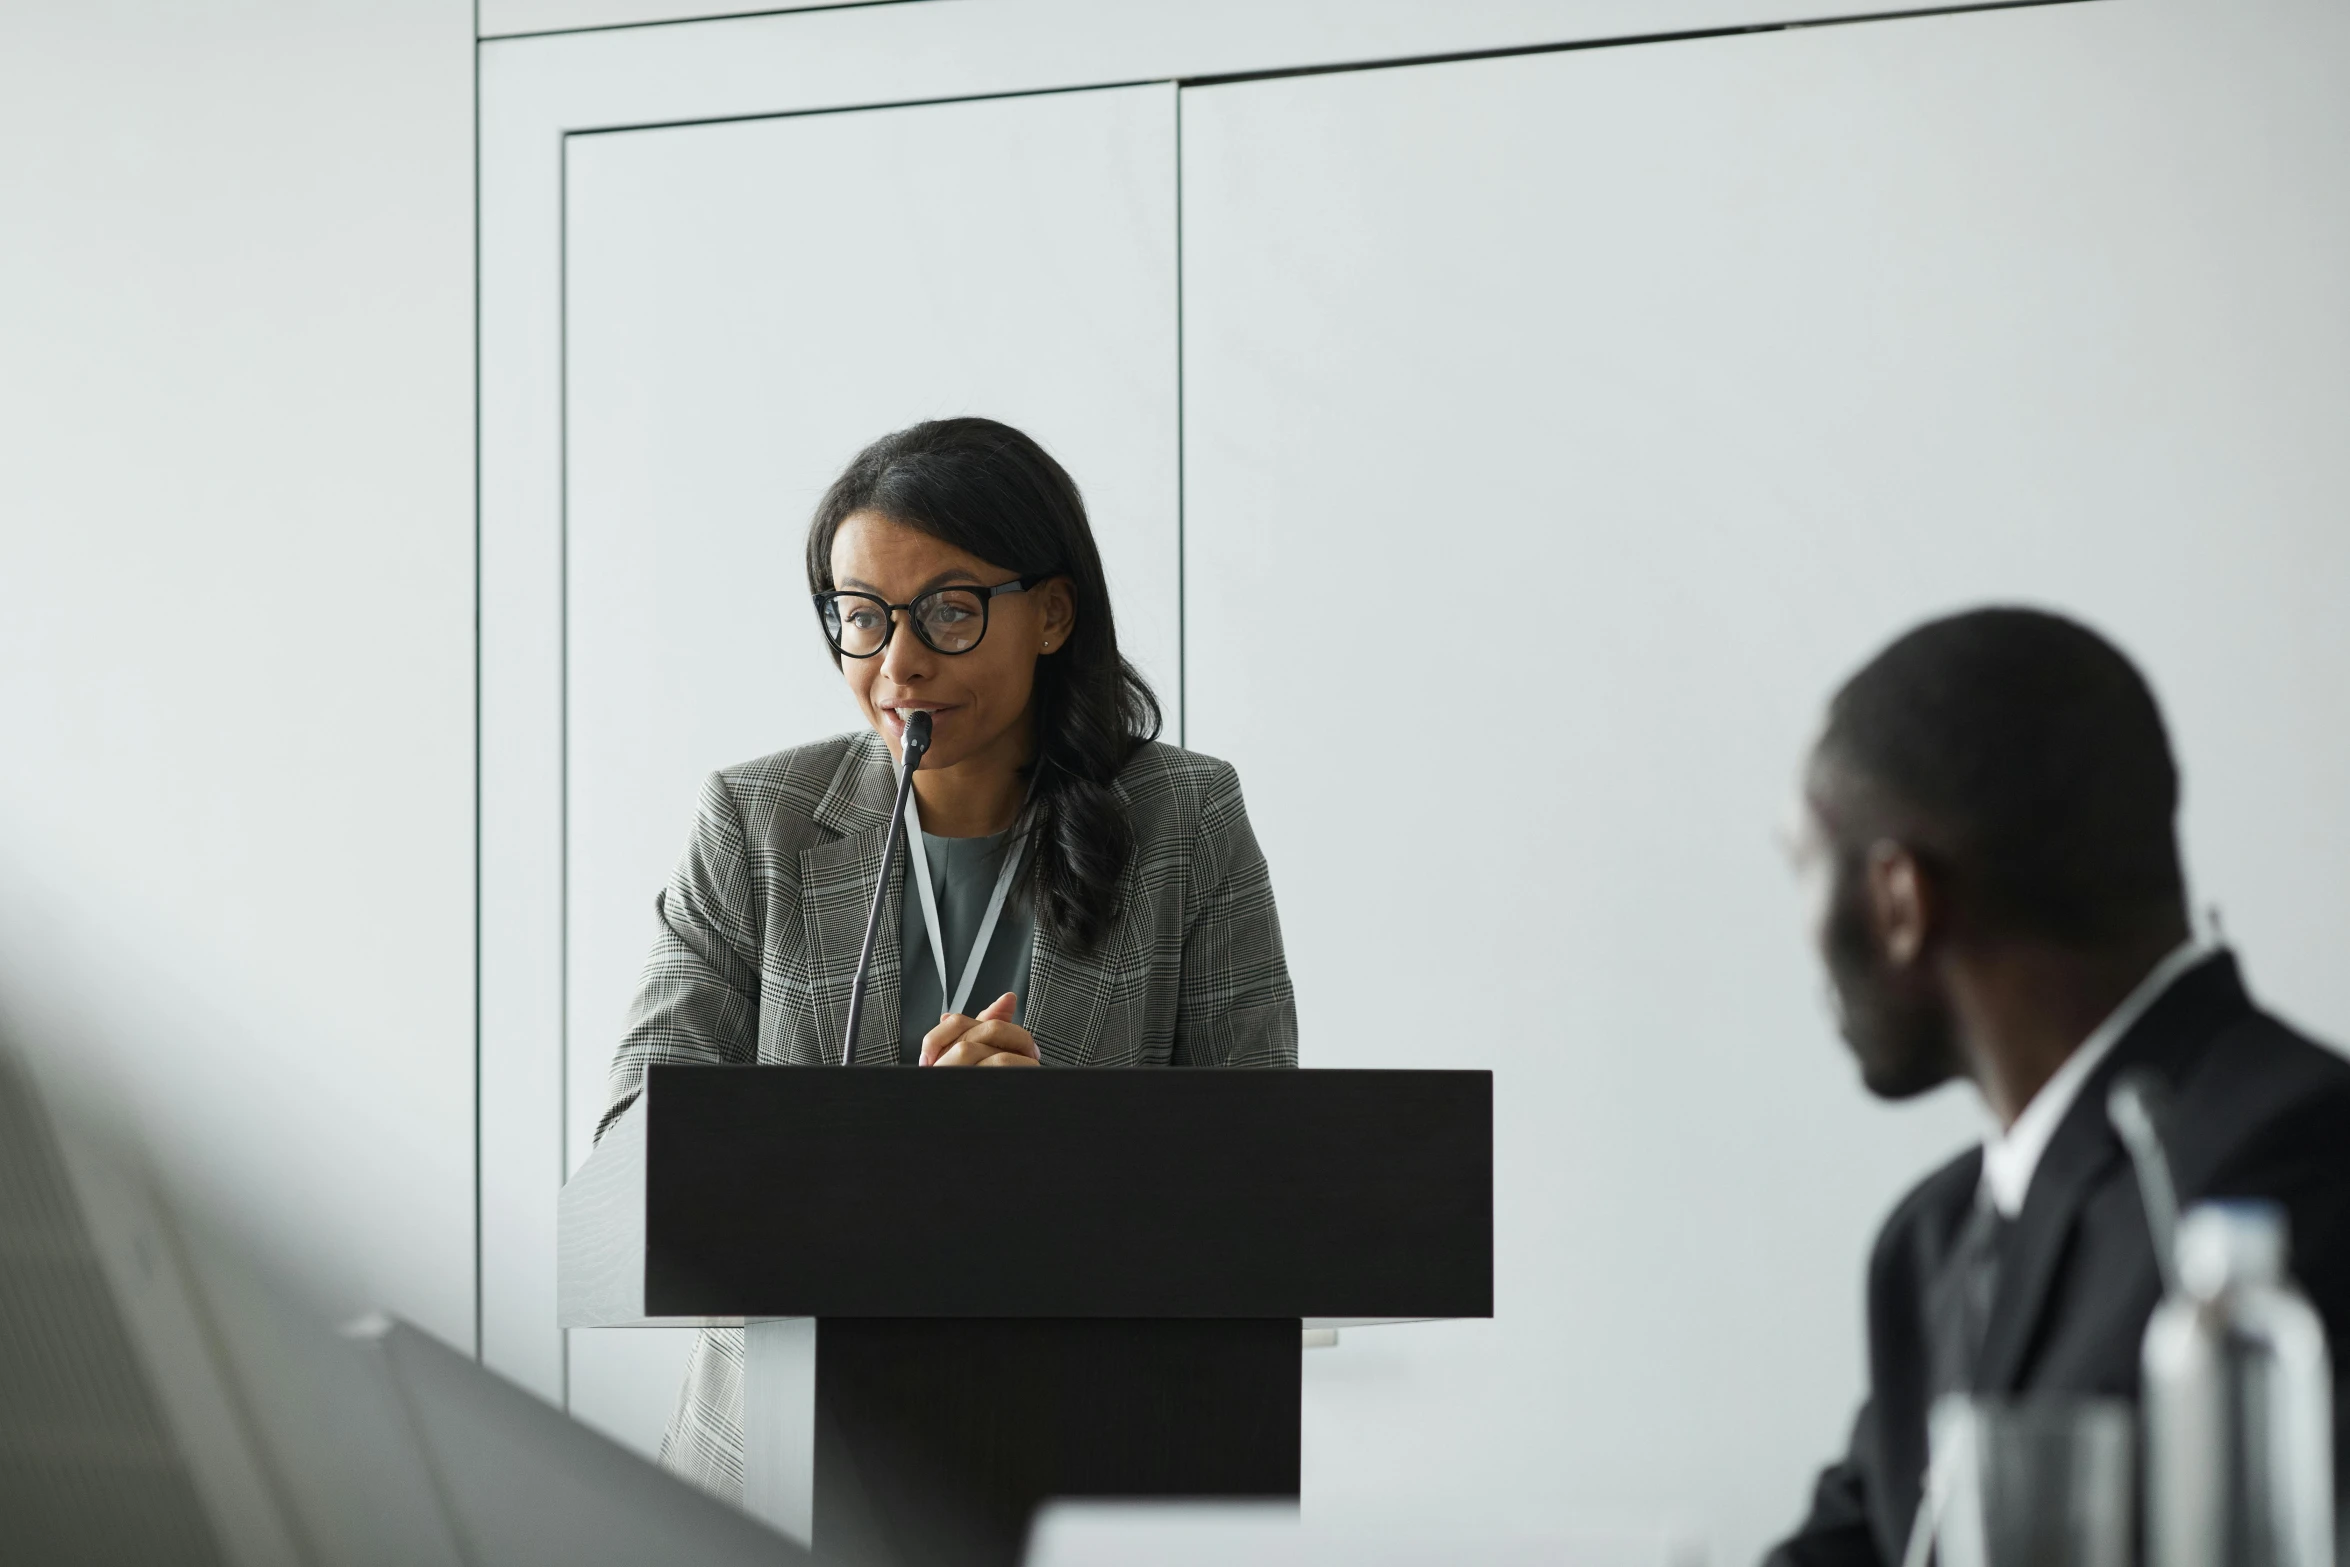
x=990, y=490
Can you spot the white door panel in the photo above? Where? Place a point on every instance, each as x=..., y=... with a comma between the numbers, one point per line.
x=747, y=305
x=1558, y=431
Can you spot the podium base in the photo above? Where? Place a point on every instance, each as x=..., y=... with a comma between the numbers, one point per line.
x=929, y=1442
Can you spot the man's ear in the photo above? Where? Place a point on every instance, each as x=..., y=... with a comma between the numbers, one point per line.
x=1905, y=906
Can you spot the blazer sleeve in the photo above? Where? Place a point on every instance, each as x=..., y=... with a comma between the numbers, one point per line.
x=1836, y=1532
x=1234, y=1006
x=697, y=1003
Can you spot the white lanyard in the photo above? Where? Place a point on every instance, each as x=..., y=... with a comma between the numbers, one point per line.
x=995, y=903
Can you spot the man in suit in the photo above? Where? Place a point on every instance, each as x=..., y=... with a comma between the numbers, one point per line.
x=1990, y=836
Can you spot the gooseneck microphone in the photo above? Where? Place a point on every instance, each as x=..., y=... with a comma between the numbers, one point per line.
x=915, y=741
x=2139, y=1108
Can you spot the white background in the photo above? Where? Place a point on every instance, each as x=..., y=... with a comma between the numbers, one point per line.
x=1558, y=431
x=747, y=306
x=236, y=613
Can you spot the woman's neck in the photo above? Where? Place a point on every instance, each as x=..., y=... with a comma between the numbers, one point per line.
x=963, y=802
x=979, y=796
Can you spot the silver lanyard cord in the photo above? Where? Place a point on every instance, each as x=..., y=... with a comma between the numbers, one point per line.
x=995, y=902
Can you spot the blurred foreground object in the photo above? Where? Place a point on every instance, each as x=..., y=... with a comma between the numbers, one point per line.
x=1262, y=1534
x=160, y=1404
x=2032, y=1482
x=2239, y=1418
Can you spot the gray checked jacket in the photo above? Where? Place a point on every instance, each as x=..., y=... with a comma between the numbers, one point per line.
x=758, y=931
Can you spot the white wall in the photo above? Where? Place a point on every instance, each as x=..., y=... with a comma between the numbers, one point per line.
x=236, y=605
x=1558, y=431
x=513, y=18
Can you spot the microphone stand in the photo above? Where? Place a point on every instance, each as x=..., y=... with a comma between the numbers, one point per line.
x=2139, y=1109
x=915, y=742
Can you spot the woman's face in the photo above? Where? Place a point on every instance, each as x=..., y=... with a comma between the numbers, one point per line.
x=979, y=700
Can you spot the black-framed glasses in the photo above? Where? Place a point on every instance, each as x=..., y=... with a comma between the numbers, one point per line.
x=948, y=620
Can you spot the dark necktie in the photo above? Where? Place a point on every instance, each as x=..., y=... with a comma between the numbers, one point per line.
x=1959, y=1301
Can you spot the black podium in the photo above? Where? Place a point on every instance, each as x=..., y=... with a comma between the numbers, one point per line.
x=965, y=1292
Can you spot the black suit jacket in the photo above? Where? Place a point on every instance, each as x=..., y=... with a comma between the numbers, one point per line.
x=2259, y=1111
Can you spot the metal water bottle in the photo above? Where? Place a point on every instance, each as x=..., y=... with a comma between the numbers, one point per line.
x=2238, y=1403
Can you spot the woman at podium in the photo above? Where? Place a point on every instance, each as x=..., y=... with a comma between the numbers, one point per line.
x=1072, y=891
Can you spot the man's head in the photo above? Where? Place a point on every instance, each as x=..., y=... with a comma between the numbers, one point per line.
x=1993, y=778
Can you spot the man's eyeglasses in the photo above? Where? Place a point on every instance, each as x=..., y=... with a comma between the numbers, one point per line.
x=948, y=620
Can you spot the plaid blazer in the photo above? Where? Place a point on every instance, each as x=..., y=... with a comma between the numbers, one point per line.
x=758, y=931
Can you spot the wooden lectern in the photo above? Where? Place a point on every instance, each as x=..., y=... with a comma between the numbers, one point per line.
x=965, y=1292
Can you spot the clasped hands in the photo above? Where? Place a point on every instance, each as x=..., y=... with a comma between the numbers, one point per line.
x=990, y=1039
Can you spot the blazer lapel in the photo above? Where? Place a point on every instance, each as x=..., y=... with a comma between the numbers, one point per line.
x=2076, y=1160
x=836, y=893
x=2186, y=1016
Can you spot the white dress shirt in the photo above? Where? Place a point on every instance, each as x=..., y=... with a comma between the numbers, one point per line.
x=2009, y=1158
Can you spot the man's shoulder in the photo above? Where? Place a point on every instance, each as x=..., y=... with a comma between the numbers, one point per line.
x=2264, y=1046
x=2262, y=1089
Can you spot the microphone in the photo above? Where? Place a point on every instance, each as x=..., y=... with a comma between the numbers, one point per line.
x=2139, y=1108
x=915, y=741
